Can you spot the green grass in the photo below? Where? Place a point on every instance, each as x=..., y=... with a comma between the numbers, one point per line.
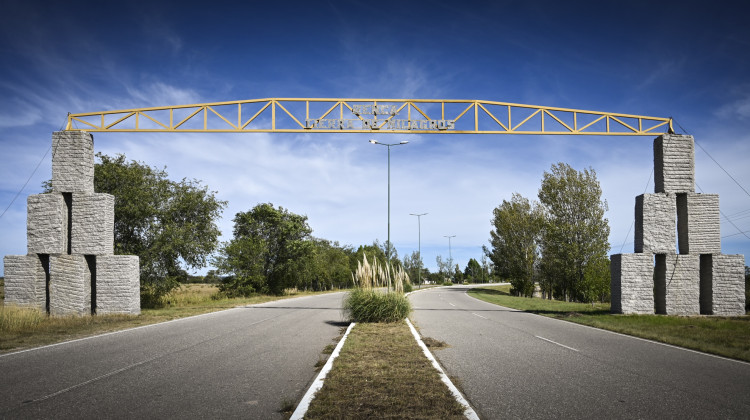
x=724, y=336
x=382, y=373
x=22, y=328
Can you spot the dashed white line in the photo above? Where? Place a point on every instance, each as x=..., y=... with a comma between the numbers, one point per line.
x=451, y=304
x=478, y=315
x=555, y=342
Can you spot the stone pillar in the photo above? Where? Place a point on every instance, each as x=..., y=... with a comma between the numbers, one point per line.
x=632, y=283
x=674, y=168
x=70, y=235
x=655, y=223
x=698, y=223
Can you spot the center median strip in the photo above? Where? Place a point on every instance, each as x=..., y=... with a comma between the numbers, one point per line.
x=373, y=371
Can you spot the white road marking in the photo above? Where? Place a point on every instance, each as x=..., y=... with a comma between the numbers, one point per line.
x=478, y=315
x=554, y=342
x=451, y=304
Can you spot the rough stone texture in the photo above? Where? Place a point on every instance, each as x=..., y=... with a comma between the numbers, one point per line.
x=632, y=283
x=674, y=164
x=655, y=223
x=46, y=224
x=698, y=224
x=69, y=286
x=93, y=224
x=682, y=284
x=728, y=285
x=118, y=288
x=72, y=162
x=25, y=281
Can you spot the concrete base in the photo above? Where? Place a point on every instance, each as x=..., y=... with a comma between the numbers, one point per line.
x=727, y=285
x=681, y=278
x=632, y=283
x=118, y=288
x=69, y=286
x=25, y=281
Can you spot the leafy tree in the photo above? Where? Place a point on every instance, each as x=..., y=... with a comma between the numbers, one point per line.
x=574, y=239
x=445, y=268
x=473, y=271
x=330, y=266
x=271, y=247
x=169, y=225
x=413, y=266
x=517, y=227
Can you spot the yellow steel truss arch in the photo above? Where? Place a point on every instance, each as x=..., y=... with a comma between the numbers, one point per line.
x=403, y=116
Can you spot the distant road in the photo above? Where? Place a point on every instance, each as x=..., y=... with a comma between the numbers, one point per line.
x=513, y=364
x=239, y=363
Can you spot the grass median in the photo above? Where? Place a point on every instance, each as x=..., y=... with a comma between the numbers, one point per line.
x=381, y=372
x=22, y=328
x=723, y=336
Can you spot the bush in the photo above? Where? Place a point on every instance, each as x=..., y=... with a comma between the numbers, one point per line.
x=408, y=288
x=447, y=283
x=367, y=305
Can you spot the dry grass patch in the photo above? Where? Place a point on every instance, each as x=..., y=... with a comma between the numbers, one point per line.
x=22, y=328
x=382, y=373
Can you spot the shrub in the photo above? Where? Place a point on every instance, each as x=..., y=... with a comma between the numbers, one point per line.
x=447, y=283
x=408, y=288
x=367, y=305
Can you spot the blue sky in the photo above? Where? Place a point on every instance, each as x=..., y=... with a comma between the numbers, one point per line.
x=687, y=60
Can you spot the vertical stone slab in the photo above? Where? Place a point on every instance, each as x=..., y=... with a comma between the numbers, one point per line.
x=25, y=281
x=93, y=224
x=698, y=224
x=69, y=286
x=728, y=284
x=682, y=284
x=118, y=288
x=72, y=162
x=655, y=223
x=632, y=283
x=46, y=224
x=674, y=164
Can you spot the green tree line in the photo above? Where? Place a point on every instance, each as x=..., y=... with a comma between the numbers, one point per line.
x=559, y=243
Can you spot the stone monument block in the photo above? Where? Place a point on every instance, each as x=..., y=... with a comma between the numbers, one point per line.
x=118, y=284
x=674, y=164
x=698, y=224
x=93, y=227
x=681, y=277
x=46, y=224
x=69, y=286
x=632, y=283
x=726, y=295
x=25, y=281
x=72, y=162
x=655, y=223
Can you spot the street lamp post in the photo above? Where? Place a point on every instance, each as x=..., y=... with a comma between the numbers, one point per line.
x=419, y=252
x=450, y=255
x=388, y=244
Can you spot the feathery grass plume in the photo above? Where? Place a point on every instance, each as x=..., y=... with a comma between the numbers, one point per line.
x=365, y=304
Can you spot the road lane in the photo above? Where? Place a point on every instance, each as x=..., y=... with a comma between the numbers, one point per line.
x=242, y=362
x=513, y=364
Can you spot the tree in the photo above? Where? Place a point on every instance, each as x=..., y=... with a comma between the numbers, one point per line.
x=413, y=266
x=473, y=271
x=517, y=227
x=575, y=235
x=270, y=248
x=170, y=225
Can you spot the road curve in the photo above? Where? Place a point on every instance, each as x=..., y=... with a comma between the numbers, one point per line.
x=238, y=363
x=512, y=364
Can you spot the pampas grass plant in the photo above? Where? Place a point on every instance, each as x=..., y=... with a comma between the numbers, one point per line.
x=367, y=304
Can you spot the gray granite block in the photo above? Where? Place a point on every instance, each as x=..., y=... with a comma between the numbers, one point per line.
x=93, y=224
x=118, y=284
x=728, y=285
x=69, y=286
x=698, y=224
x=46, y=224
x=72, y=162
x=674, y=164
x=25, y=281
x=655, y=223
x=682, y=284
x=632, y=283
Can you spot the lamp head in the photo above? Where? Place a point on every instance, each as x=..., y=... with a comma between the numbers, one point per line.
x=373, y=141
x=403, y=142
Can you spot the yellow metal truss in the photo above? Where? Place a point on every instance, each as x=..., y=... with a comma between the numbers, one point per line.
x=403, y=116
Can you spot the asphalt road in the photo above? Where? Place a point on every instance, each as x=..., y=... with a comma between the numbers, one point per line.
x=512, y=364
x=239, y=363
